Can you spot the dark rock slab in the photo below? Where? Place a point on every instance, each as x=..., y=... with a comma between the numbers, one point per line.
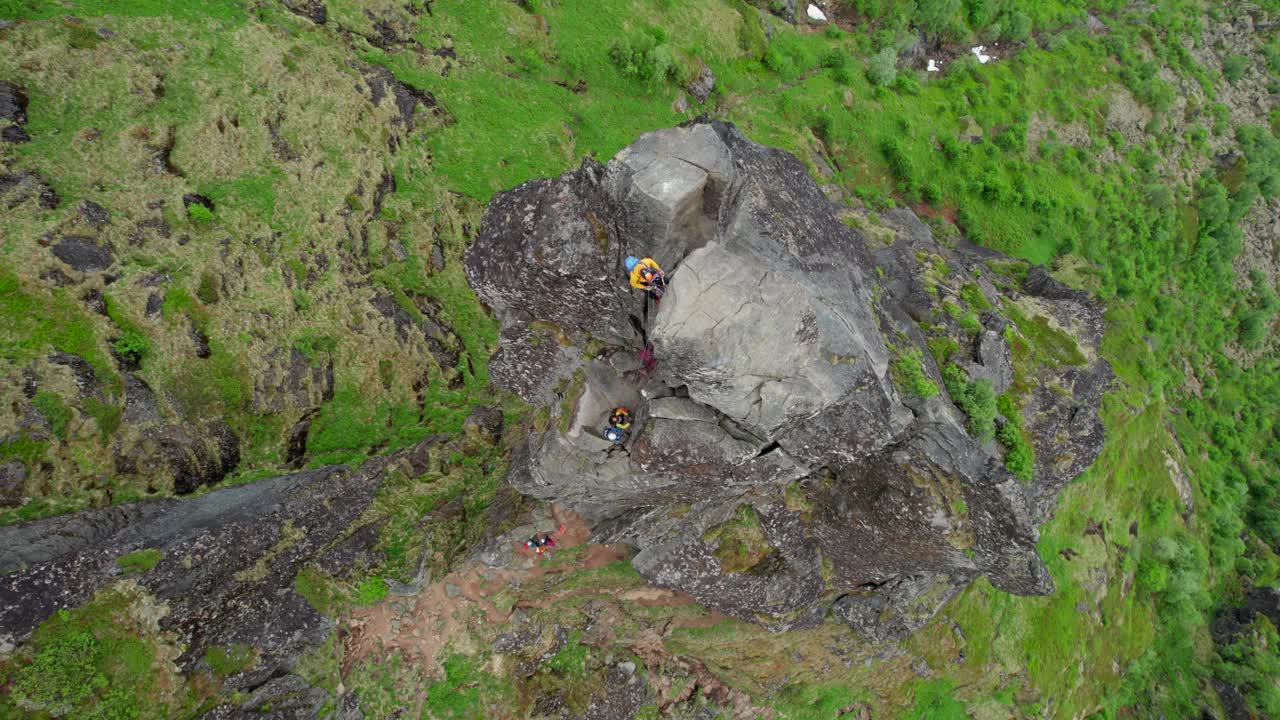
x=180, y=457
x=406, y=97
x=17, y=188
x=83, y=254
x=313, y=10
x=14, y=134
x=93, y=214
x=13, y=480
x=85, y=377
x=13, y=103
x=194, y=199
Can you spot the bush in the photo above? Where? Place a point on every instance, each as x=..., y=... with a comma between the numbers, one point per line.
x=909, y=373
x=1254, y=328
x=936, y=16
x=1018, y=27
x=882, y=68
x=199, y=214
x=975, y=399
x=1233, y=68
x=132, y=345
x=834, y=58
x=644, y=57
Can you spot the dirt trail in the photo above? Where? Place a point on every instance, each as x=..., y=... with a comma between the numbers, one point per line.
x=422, y=625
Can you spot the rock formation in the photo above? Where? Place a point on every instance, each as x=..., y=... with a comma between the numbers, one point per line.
x=224, y=567
x=792, y=451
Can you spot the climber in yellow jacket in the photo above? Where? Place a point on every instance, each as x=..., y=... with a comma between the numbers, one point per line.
x=646, y=275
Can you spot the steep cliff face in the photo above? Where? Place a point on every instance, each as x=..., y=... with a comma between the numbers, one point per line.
x=833, y=421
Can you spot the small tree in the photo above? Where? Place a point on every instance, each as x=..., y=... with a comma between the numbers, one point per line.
x=882, y=68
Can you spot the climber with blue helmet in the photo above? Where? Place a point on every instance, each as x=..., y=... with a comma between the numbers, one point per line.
x=646, y=275
x=619, y=423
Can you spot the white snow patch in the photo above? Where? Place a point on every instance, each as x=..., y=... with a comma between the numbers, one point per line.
x=981, y=53
x=815, y=13
x=933, y=66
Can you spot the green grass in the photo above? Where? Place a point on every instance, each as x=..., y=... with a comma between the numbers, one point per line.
x=199, y=214
x=36, y=323
x=370, y=591
x=55, y=412
x=1049, y=345
x=95, y=661
x=467, y=691
x=935, y=700
x=139, y=562
x=225, y=661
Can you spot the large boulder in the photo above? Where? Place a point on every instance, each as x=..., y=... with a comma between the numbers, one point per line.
x=794, y=443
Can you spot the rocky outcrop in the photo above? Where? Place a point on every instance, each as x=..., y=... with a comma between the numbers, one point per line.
x=313, y=10
x=83, y=254
x=794, y=450
x=226, y=564
x=13, y=108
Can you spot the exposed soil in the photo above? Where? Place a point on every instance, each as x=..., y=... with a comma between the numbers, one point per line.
x=421, y=626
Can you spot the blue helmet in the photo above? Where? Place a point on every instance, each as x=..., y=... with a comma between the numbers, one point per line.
x=632, y=262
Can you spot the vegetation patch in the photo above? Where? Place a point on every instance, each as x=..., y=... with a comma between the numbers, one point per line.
x=97, y=661
x=1019, y=455
x=1050, y=346
x=55, y=412
x=139, y=562
x=910, y=376
x=976, y=399
x=227, y=661
x=740, y=543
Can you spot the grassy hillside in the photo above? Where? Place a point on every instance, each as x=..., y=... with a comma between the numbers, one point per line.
x=1131, y=148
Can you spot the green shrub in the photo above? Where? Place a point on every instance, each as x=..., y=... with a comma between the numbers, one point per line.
x=976, y=399
x=132, y=345
x=1018, y=27
x=1233, y=68
x=909, y=373
x=199, y=214
x=644, y=57
x=95, y=662
x=882, y=68
x=1019, y=458
x=1254, y=328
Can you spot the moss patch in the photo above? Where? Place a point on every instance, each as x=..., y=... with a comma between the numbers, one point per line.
x=740, y=543
x=139, y=562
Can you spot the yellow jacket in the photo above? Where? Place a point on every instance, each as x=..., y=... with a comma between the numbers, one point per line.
x=637, y=280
